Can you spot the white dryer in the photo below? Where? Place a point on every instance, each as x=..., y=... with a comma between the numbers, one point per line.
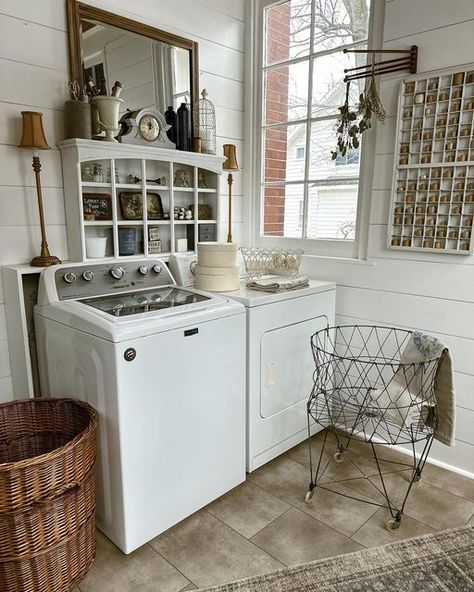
x=165, y=368
x=280, y=364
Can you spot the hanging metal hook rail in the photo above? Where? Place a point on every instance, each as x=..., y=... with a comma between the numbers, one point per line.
x=377, y=68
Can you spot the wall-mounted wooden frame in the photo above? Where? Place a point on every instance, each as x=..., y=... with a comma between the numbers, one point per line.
x=77, y=11
x=432, y=207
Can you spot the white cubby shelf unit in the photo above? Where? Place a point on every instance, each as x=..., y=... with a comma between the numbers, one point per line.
x=433, y=185
x=119, y=162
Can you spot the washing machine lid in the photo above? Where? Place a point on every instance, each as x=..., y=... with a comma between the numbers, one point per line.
x=136, y=319
x=144, y=301
x=131, y=306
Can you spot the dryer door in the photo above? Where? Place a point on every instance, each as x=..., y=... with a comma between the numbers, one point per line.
x=287, y=365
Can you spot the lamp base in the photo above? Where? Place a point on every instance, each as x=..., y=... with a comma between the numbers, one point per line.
x=45, y=261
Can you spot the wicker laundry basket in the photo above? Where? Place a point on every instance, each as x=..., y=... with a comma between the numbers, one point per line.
x=47, y=494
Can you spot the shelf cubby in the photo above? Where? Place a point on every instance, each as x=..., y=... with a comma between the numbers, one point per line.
x=118, y=180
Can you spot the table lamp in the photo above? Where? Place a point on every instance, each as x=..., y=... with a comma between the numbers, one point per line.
x=230, y=164
x=33, y=138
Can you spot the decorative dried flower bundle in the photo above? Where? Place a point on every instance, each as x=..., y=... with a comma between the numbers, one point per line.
x=353, y=122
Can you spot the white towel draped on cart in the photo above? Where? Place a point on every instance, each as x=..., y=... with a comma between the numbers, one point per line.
x=398, y=398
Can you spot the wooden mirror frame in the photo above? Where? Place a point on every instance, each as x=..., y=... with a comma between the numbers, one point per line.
x=76, y=11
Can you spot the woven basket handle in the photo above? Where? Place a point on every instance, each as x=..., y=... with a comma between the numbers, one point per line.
x=66, y=488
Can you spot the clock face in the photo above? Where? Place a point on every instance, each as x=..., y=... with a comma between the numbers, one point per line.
x=149, y=128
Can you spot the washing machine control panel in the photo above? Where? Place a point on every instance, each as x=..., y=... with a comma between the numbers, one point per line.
x=85, y=280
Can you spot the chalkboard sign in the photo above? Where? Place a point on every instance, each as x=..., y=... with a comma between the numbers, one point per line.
x=97, y=206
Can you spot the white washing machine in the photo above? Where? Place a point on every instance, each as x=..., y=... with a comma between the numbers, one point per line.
x=280, y=364
x=165, y=368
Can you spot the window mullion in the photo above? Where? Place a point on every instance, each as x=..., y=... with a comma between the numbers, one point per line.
x=308, y=123
x=313, y=54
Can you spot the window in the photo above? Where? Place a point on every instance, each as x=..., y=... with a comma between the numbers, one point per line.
x=299, y=152
x=304, y=193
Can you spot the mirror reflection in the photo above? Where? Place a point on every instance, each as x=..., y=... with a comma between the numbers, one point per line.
x=154, y=74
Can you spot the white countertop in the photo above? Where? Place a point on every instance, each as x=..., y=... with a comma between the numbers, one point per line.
x=251, y=298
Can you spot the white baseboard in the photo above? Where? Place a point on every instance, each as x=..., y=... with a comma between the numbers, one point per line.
x=430, y=460
x=254, y=462
x=433, y=461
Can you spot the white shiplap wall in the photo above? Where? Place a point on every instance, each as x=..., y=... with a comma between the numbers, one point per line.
x=434, y=293
x=34, y=75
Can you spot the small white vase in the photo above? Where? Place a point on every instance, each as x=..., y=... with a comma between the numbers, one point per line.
x=96, y=247
x=108, y=115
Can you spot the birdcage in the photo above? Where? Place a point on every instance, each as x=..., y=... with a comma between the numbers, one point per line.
x=204, y=117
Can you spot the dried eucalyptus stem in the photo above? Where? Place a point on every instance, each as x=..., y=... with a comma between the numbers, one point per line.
x=347, y=128
x=351, y=124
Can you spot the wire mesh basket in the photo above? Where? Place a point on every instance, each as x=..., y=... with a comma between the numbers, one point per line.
x=369, y=387
x=261, y=261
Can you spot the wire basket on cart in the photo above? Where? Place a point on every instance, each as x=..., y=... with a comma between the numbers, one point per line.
x=366, y=389
x=47, y=494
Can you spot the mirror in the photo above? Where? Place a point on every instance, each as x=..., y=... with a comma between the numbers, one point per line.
x=156, y=68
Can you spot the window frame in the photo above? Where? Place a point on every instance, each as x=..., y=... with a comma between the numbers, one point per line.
x=255, y=50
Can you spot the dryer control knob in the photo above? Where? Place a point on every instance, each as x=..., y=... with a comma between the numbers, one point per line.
x=157, y=269
x=69, y=277
x=117, y=272
x=143, y=269
x=88, y=275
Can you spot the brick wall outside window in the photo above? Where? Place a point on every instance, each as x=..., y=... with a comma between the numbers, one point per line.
x=276, y=110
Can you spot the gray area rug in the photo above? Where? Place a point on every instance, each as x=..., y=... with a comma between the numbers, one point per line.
x=441, y=562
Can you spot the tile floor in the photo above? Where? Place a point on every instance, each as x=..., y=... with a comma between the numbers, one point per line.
x=264, y=524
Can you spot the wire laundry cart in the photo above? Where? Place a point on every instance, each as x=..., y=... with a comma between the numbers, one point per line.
x=367, y=388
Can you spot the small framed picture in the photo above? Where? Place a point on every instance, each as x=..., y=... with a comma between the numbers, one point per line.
x=204, y=211
x=97, y=206
x=132, y=208
x=154, y=240
x=154, y=233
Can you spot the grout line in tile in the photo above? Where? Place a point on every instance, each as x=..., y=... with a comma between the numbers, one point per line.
x=422, y=481
x=266, y=491
x=269, y=524
x=249, y=540
x=310, y=518
x=356, y=531
x=189, y=584
x=296, y=507
x=172, y=565
x=446, y=490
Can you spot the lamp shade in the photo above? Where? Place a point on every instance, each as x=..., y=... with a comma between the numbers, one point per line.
x=33, y=132
x=230, y=163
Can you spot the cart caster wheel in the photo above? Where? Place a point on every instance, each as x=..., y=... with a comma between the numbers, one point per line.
x=392, y=525
x=308, y=496
x=339, y=456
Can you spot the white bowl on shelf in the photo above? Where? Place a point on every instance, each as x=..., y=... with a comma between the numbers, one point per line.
x=96, y=247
